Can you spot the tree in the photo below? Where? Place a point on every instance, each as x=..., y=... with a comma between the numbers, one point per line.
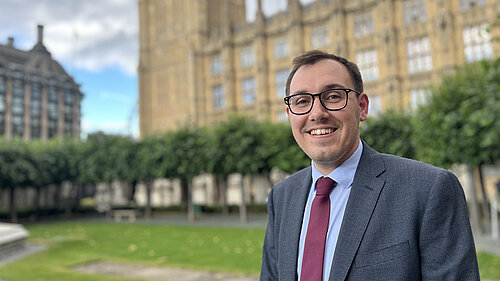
x=44, y=162
x=104, y=160
x=281, y=150
x=238, y=147
x=16, y=169
x=390, y=133
x=188, y=159
x=152, y=160
x=460, y=124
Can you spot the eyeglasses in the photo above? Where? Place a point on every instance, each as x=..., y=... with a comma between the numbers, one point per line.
x=331, y=99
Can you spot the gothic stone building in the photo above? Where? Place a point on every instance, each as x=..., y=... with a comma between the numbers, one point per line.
x=38, y=99
x=201, y=60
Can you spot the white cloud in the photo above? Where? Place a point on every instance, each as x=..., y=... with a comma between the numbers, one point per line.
x=90, y=34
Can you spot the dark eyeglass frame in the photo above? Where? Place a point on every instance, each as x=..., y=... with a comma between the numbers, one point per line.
x=346, y=90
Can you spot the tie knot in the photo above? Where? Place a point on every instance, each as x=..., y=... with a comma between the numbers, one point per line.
x=324, y=186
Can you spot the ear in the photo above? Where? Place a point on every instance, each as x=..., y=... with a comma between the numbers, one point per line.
x=288, y=112
x=364, y=102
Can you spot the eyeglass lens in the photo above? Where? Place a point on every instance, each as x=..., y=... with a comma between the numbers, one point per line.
x=332, y=100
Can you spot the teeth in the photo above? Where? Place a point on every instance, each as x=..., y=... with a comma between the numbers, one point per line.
x=321, y=131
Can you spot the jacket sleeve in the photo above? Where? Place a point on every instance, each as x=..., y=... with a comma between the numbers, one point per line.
x=269, y=267
x=446, y=243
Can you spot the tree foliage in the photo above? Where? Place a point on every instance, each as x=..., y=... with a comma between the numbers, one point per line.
x=105, y=158
x=16, y=166
x=460, y=124
x=281, y=150
x=390, y=133
x=235, y=147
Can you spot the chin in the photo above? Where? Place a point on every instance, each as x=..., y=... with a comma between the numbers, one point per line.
x=324, y=157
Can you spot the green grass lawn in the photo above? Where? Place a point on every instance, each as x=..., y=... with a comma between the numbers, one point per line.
x=69, y=244
x=206, y=248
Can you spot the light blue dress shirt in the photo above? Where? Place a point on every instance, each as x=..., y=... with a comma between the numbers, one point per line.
x=344, y=176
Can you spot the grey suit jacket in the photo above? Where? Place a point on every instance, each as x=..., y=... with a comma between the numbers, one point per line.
x=404, y=220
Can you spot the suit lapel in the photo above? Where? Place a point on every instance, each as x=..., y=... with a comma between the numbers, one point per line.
x=362, y=200
x=294, y=208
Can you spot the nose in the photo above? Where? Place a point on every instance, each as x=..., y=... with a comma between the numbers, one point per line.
x=318, y=111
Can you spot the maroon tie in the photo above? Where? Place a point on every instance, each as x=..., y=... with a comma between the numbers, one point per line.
x=314, y=249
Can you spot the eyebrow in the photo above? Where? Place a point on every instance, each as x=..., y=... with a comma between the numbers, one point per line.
x=326, y=87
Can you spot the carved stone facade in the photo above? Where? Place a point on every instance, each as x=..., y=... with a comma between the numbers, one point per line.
x=200, y=60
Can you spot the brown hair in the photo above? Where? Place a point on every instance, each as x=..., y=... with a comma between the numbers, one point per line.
x=312, y=57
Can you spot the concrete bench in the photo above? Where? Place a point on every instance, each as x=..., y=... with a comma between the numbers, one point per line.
x=118, y=215
x=12, y=240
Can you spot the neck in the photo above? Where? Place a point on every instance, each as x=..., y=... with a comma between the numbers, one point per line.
x=327, y=167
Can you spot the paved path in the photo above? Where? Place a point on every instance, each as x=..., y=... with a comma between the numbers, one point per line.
x=29, y=248
x=159, y=273
x=486, y=244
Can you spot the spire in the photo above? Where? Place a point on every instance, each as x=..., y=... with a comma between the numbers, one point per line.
x=259, y=16
x=39, y=47
x=40, y=34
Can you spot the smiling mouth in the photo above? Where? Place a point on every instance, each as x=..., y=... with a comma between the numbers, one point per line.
x=318, y=132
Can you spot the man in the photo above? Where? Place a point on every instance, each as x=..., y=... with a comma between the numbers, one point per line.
x=356, y=214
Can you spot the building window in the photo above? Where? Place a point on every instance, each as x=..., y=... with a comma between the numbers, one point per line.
x=53, y=110
x=368, y=64
x=281, y=48
x=419, y=55
x=470, y=4
x=68, y=111
x=218, y=99
x=68, y=127
x=414, y=11
x=320, y=37
x=217, y=65
x=477, y=43
x=363, y=25
x=18, y=108
x=248, y=90
x=247, y=56
x=36, y=100
x=2, y=122
x=2, y=103
x=419, y=97
x=280, y=82
x=35, y=128
x=3, y=86
x=2, y=113
x=68, y=97
x=17, y=74
x=52, y=128
x=35, y=78
x=36, y=109
x=375, y=106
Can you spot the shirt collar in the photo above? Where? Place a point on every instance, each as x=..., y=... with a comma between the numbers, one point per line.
x=343, y=174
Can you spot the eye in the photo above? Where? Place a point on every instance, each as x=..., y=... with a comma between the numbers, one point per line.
x=301, y=100
x=333, y=96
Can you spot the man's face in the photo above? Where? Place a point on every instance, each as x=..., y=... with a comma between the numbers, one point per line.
x=340, y=139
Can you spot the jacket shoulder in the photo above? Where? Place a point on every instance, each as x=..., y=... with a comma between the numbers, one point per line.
x=294, y=179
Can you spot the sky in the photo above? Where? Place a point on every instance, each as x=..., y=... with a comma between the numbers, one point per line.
x=96, y=41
